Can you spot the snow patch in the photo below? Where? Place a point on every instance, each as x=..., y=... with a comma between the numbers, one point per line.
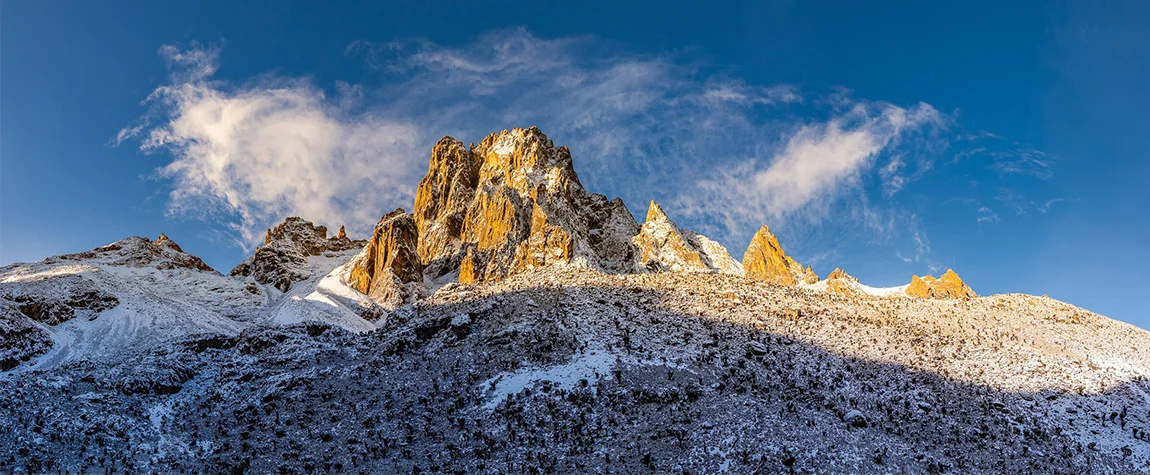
x=595, y=361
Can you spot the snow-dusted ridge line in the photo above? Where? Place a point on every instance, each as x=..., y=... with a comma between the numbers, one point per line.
x=158, y=301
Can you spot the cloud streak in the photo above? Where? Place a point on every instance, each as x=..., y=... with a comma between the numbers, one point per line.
x=271, y=148
x=818, y=164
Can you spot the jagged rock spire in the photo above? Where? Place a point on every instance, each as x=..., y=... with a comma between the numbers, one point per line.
x=766, y=261
x=163, y=240
x=389, y=262
x=661, y=245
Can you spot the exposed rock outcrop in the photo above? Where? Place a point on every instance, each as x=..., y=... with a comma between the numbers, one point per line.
x=663, y=246
x=390, y=261
x=949, y=286
x=286, y=248
x=766, y=261
x=842, y=283
x=513, y=203
x=20, y=338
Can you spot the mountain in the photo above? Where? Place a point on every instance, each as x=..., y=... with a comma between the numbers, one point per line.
x=663, y=246
x=515, y=322
x=766, y=261
x=127, y=296
x=949, y=286
x=513, y=203
x=282, y=260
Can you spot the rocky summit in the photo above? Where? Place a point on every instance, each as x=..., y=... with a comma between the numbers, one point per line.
x=766, y=261
x=286, y=248
x=839, y=282
x=513, y=203
x=949, y=286
x=514, y=322
x=663, y=246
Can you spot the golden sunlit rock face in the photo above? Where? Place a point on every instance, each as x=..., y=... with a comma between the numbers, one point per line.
x=842, y=283
x=766, y=261
x=389, y=261
x=513, y=203
x=949, y=286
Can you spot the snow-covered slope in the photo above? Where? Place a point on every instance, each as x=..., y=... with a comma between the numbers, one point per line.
x=325, y=297
x=134, y=294
x=561, y=370
x=127, y=296
x=860, y=288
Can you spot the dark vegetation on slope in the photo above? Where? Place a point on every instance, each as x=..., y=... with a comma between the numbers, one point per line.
x=410, y=398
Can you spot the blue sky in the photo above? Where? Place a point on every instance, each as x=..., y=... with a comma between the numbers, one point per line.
x=1007, y=140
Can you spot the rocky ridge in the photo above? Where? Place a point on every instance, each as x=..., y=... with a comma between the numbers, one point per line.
x=138, y=251
x=949, y=286
x=286, y=247
x=513, y=202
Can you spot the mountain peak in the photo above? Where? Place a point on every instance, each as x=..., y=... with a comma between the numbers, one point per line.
x=286, y=247
x=138, y=251
x=842, y=283
x=655, y=213
x=513, y=202
x=839, y=274
x=765, y=260
x=164, y=241
x=949, y=286
x=663, y=246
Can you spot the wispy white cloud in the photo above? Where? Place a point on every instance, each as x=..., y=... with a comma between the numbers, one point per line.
x=921, y=248
x=271, y=148
x=986, y=215
x=1044, y=207
x=819, y=164
x=1007, y=159
x=1023, y=162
